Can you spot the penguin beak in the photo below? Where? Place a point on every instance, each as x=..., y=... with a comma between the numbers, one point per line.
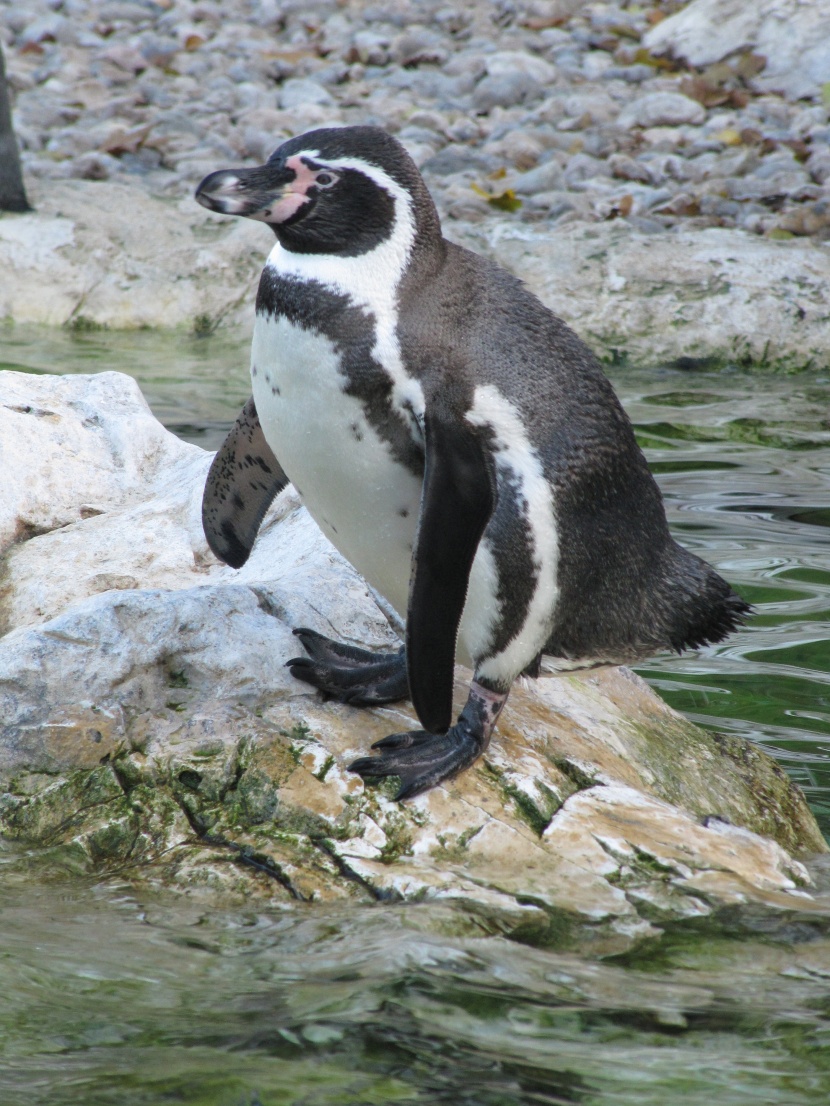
x=252, y=193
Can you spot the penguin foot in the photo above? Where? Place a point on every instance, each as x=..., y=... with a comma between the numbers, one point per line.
x=350, y=674
x=422, y=759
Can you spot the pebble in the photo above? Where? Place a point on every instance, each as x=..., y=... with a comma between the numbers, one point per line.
x=554, y=99
x=298, y=91
x=543, y=178
x=662, y=109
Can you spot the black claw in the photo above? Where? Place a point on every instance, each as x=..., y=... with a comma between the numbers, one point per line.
x=403, y=740
x=349, y=674
x=421, y=759
x=368, y=767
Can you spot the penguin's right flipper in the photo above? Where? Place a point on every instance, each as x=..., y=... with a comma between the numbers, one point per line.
x=350, y=674
x=457, y=501
x=242, y=482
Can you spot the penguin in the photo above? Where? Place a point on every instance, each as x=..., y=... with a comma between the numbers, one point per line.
x=458, y=444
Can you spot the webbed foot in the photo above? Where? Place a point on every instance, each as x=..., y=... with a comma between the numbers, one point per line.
x=348, y=673
x=422, y=759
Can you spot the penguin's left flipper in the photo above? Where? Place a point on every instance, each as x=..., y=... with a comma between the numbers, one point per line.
x=243, y=480
x=350, y=674
x=457, y=501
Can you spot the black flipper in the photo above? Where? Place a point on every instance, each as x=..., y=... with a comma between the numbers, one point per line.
x=241, y=485
x=456, y=504
x=352, y=675
x=457, y=501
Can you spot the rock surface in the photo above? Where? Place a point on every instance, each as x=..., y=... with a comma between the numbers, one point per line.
x=113, y=255
x=710, y=295
x=716, y=293
x=792, y=36
x=150, y=727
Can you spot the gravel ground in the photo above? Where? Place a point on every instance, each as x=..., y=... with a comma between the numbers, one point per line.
x=549, y=112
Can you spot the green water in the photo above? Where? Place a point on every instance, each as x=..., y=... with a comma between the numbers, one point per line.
x=110, y=999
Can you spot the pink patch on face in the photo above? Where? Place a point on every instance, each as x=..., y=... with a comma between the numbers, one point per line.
x=305, y=177
x=295, y=194
x=286, y=207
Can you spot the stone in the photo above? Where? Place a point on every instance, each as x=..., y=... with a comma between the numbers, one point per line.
x=419, y=46
x=792, y=36
x=489, y=72
x=583, y=167
x=718, y=294
x=370, y=48
x=154, y=268
x=812, y=220
x=149, y=724
x=544, y=178
x=49, y=28
x=504, y=91
x=593, y=106
x=299, y=91
x=661, y=109
x=626, y=168
x=818, y=165
x=504, y=62
x=758, y=188
x=458, y=159
x=93, y=166
x=512, y=77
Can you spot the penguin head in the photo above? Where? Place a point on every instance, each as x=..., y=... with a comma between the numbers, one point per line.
x=340, y=191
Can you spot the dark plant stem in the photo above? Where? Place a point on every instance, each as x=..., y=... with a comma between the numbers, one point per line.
x=12, y=192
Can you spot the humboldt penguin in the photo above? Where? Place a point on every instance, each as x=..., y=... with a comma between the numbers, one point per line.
x=455, y=440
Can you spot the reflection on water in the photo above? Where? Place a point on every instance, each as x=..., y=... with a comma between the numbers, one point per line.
x=109, y=1000
x=744, y=464
x=195, y=386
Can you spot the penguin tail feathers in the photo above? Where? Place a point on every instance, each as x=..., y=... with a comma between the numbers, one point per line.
x=707, y=613
x=714, y=623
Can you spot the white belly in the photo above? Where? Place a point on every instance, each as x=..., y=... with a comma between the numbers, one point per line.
x=362, y=499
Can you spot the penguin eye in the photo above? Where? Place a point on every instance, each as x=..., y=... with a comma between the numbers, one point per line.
x=325, y=180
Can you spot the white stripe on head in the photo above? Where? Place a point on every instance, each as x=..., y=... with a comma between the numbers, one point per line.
x=370, y=280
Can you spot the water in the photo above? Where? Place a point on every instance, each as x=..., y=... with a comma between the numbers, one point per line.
x=113, y=999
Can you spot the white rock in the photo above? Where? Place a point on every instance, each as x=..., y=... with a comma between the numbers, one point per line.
x=512, y=77
x=83, y=446
x=793, y=36
x=543, y=178
x=596, y=63
x=371, y=48
x=117, y=642
x=137, y=263
x=594, y=103
x=300, y=91
x=115, y=502
x=419, y=46
x=709, y=293
x=659, y=109
x=506, y=62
